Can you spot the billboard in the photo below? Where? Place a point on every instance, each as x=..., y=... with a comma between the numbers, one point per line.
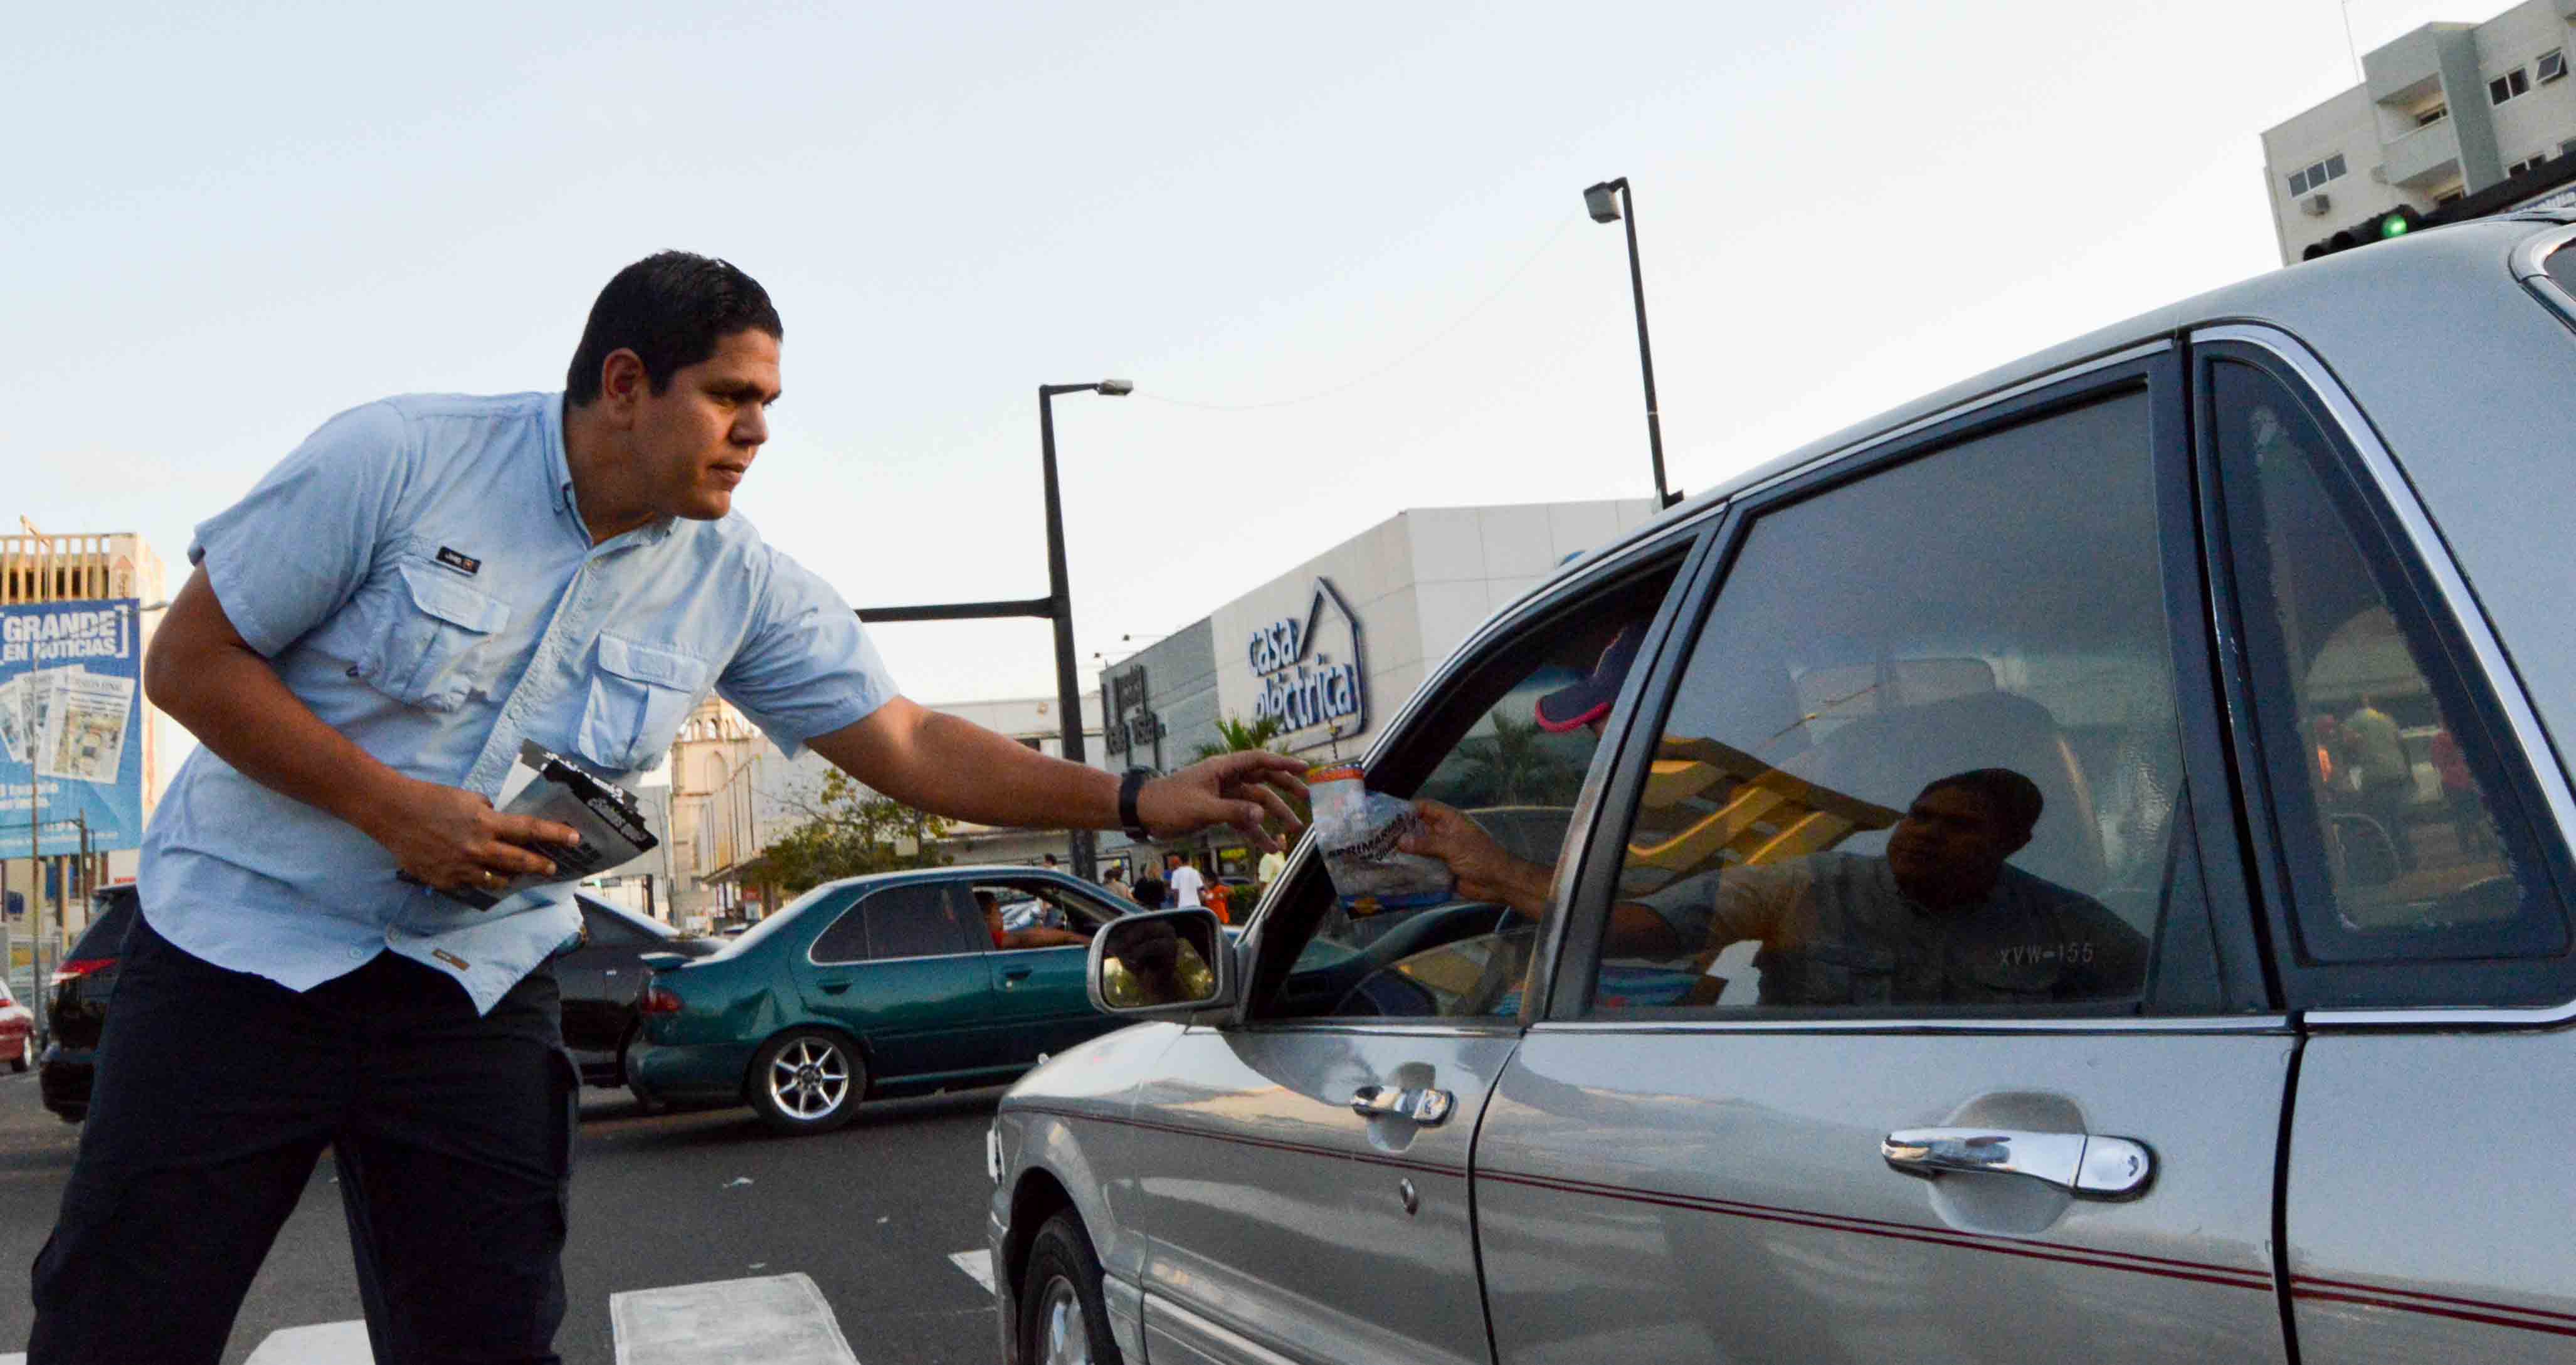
x=71, y=725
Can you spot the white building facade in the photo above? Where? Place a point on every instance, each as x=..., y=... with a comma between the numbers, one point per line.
x=2445, y=112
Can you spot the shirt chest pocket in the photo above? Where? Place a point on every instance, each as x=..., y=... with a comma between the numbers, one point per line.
x=639, y=695
x=431, y=649
x=1828, y=972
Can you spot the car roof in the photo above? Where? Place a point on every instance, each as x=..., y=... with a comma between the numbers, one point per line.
x=2459, y=369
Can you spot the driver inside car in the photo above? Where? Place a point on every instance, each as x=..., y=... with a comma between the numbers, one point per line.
x=1940, y=918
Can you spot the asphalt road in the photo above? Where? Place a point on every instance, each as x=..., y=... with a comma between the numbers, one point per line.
x=872, y=1214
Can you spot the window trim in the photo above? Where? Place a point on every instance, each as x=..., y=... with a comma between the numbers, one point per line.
x=2506, y=81
x=2541, y=73
x=2234, y=922
x=2463, y=626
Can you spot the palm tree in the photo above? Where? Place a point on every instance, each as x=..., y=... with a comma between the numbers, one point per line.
x=1237, y=736
x=1513, y=763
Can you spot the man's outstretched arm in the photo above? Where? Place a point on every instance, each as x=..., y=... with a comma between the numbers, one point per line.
x=955, y=768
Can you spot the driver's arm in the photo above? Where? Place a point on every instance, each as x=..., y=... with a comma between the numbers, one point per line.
x=1486, y=871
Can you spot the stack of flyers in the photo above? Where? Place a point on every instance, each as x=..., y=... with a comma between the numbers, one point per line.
x=67, y=722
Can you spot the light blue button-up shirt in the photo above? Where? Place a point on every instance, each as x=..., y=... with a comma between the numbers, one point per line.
x=419, y=575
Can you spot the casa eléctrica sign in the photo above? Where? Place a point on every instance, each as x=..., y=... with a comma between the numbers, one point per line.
x=71, y=725
x=1301, y=685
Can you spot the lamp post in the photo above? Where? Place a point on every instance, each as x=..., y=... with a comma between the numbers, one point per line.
x=1056, y=606
x=1609, y=202
x=1084, y=849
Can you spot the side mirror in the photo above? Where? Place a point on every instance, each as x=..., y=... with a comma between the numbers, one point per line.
x=1167, y=963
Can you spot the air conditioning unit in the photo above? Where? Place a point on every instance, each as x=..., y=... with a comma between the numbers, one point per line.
x=2315, y=205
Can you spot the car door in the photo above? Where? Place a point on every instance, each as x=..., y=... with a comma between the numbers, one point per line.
x=1302, y=1171
x=903, y=971
x=2423, y=916
x=1041, y=1001
x=1906, y=1006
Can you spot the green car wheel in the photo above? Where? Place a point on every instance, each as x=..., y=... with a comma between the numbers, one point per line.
x=807, y=1080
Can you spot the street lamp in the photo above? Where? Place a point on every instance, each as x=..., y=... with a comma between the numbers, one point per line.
x=1609, y=202
x=1068, y=693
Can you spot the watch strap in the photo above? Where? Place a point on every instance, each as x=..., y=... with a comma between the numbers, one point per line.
x=1128, y=786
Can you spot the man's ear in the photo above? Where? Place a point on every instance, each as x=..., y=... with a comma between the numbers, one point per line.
x=623, y=385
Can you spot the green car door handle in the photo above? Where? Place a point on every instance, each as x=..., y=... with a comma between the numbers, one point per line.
x=835, y=987
x=1015, y=975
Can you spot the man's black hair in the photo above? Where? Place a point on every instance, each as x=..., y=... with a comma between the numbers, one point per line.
x=2014, y=798
x=671, y=309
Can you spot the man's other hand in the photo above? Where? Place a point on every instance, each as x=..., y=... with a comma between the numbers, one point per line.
x=452, y=839
x=1238, y=789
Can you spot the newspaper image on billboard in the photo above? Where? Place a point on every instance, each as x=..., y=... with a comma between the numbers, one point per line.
x=71, y=712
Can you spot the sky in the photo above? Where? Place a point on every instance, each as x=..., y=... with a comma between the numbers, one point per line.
x=1339, y=248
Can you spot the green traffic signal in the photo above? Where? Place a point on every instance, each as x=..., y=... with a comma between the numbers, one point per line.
x=2395, y=225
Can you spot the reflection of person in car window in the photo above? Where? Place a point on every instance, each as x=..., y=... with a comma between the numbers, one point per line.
x=1035, y=936
x=1940, y=918
x=1155, y=966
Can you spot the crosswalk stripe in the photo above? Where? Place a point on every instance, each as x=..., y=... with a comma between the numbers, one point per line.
x=978, y=1264
x=331, y=1343
x=773, y=1319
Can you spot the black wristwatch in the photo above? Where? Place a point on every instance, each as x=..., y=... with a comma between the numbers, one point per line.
x=1128, y=820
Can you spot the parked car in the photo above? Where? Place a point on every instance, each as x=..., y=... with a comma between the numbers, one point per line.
x=603, y=979
x=1994, y=913
x=17, y=1030
x=881, y=985
x=76, y=1003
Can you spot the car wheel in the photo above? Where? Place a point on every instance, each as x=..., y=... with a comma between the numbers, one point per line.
x=25, y=1046
x=1063, y=1320
x=807, y=1081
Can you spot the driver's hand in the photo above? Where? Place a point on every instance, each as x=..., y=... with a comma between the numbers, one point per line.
x=1486, y=871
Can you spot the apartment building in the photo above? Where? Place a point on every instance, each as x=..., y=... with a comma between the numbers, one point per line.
x=2447, y=111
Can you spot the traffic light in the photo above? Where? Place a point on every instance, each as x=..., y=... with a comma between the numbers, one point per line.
x=2396, y=222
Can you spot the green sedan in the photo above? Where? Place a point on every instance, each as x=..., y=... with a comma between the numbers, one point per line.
x=895, y=984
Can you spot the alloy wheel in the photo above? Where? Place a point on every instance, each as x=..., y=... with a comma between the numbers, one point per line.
x=1063, y=1335
x=809, y=1079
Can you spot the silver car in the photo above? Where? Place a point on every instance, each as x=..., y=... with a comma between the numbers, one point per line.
x=2075, y=868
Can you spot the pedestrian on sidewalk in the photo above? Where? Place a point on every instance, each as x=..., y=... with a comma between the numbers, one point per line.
x=367, y=639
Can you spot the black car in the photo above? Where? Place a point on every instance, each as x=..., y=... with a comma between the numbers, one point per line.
x=602, y=979
x=76, y=1002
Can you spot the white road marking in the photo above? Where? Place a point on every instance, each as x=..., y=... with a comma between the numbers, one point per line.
x=770, y=1320
x=14, y=1358
x=332, y=1343
x=976, y=1263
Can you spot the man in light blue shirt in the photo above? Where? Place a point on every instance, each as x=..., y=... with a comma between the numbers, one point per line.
x=368, y=639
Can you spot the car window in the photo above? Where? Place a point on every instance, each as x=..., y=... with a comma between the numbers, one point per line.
x=845, y=941
x=1505, y=753
x=1924, y=755
x=1043, y=902
x=2381, y=764
x=2562, y=267
x=924, y=919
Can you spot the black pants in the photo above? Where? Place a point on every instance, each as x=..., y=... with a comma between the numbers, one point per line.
x=216, y=1093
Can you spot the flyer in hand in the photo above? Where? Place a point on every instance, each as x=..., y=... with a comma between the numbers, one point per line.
x=551, y=787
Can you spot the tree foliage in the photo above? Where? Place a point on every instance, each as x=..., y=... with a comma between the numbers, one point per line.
x=850, y=831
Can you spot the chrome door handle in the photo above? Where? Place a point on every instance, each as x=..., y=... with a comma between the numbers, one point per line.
x=2081, y=1164
x=1425, y=1107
